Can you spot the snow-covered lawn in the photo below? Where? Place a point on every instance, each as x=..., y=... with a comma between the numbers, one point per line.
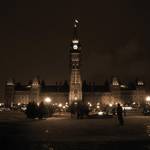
x=64, y=133
x=67, y=129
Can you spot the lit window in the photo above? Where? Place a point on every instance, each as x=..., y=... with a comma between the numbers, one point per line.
x=75, y=41
x=140, y=83
x=115, y=82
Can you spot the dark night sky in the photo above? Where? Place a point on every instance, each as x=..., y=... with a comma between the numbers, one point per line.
x=35, y=36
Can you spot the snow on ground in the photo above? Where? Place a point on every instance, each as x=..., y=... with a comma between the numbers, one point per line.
x=15, y=126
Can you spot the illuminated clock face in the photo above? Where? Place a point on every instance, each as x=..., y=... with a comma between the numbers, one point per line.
x=75, y=47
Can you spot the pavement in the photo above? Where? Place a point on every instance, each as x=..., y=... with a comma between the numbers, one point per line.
x=18, y=132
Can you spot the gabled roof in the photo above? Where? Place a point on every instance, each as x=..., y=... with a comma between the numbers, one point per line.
x=54, y=88
x=22, y=88
x=95, y=88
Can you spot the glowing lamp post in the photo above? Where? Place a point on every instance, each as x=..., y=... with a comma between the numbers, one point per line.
x=110, y=105
x=47, y=100
x=60, y=105
x=19, y=104
x=133, y=103
x=148, y=99
x=75, y=98
x=97, y=106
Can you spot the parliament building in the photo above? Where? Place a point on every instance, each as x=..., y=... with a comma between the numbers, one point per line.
x=110, y=93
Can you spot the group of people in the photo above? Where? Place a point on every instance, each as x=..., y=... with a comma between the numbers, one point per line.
x=81, y=110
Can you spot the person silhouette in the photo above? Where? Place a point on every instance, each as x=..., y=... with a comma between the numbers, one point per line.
x=119, y=114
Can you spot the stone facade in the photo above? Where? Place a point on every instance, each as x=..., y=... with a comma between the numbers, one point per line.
x=15, y=93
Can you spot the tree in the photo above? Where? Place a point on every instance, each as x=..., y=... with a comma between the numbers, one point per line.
x=41, y=111
x=51, y=110
x=32, y=110
x=45, y=110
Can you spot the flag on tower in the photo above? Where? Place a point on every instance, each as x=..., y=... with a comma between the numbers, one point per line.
x=76, y=23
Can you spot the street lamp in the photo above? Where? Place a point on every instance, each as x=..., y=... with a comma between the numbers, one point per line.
x=97, y=106
x=60, y=105
x=110, y=105
x=19, y=104
x=133, y=103
x=47, y=100
x=148, y=99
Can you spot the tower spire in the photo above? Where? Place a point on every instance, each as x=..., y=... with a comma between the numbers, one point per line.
x=75, y=41
x=75, y=93
x=76, y=25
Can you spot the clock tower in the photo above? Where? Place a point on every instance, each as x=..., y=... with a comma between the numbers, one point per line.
x=75, y=93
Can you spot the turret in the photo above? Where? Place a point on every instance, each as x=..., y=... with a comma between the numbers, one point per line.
x=35, y=90
x=115, y=85
x=139, y=84
x=140, y=92
x=9, y=92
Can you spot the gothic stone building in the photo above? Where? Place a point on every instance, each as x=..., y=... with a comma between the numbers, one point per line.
x=110, y=93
